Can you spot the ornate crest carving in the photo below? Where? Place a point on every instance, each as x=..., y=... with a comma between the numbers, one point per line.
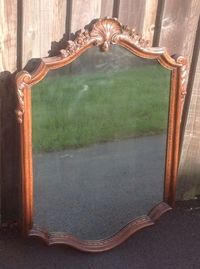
x=103, y=33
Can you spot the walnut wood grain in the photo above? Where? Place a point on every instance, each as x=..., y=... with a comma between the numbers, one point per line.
x=102, y=33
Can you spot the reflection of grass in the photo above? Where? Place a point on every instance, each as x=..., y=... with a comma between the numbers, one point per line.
x=73, y=111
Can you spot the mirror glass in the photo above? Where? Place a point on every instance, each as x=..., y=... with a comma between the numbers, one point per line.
x=99, y=140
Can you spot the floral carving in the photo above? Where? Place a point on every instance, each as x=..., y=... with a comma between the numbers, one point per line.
x=73, y=46
x=134, y=37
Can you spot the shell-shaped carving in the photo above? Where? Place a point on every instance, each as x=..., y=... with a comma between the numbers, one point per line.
x=105, y=31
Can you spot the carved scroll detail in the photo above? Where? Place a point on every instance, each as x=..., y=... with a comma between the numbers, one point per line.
x=183, y=75
x=22, y=83
x=183, y=81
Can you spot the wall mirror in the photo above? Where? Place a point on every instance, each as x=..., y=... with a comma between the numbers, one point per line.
x=100, y=138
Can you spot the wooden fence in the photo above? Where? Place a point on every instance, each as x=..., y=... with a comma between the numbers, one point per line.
x=29, y=29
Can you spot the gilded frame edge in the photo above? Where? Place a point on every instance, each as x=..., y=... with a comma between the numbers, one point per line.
x=103, y=33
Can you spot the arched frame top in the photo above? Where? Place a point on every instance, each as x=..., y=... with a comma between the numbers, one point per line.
x=101, y=33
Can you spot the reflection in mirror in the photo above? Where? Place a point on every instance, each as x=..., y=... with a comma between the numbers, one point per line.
x=99, y=141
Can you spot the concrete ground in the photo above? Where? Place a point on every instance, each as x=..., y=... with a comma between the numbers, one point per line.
x=93, y=192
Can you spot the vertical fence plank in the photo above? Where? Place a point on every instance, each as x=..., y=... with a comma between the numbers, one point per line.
x=31, y=30
x=149, y=19
x=8, y=35
x=140, y=15
x=178, y=31
x=115, y=11
x=83, y=12
x=189, y=171
x=106, y=8
x=44, y=24
x=158, y=22
x=68, y=19
x=131, y=13
x=179, y=24
x=52, y=23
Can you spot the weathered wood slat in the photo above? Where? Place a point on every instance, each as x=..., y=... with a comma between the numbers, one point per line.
x=179, y=24
x=8, y=35
x=140, y=15
x=158, y=23
x=115, y=10
x=68, y=19
x=149, y=19
x=189, y=172
x=31, y=31
x=44, y=24
x=106, y=8
x=83, y=12
x=178, y=31
x=131, y=13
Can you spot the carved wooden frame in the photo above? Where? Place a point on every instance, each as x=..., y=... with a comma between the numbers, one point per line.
x=102, y=33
